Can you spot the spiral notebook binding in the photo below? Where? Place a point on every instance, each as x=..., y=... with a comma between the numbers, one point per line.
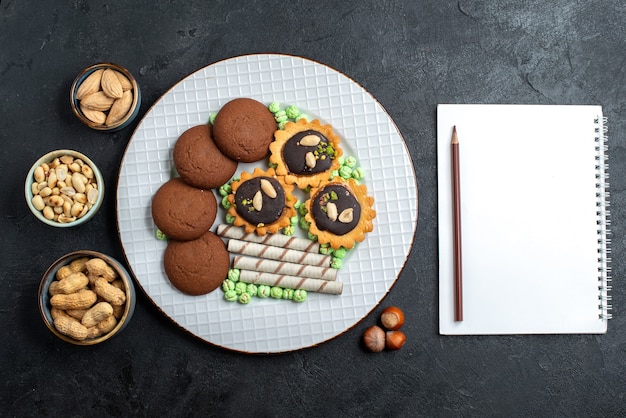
x=604, y=220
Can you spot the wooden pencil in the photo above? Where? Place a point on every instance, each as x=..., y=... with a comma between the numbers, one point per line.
x=456, y=208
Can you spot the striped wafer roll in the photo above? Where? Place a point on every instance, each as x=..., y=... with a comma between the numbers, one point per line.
x=292, y=282
x=278, y=240
x=277, y=253
x=243, y=262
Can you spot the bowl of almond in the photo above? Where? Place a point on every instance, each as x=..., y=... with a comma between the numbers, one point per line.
x=105, y=97
x=86, y=297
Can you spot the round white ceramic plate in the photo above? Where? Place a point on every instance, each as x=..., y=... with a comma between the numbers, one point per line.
x=367, y=132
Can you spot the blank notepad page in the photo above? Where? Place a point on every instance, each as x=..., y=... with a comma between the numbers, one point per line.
x=530, y=199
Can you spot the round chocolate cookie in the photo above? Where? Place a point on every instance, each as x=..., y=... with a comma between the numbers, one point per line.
x=199, y=162
x=183, y=212
x=243, y=130
x=197, y=267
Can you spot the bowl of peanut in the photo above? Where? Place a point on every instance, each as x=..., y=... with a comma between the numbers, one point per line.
x=86, y=297
x=64, y=188
x=105, y=97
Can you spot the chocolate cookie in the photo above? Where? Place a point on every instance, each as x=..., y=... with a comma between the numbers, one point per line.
x=243, y=130
x=199, y=161
x=183, y=212
x=197, y=267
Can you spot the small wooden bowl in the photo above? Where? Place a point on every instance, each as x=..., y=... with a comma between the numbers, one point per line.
x=50, y=275
x=126, y=120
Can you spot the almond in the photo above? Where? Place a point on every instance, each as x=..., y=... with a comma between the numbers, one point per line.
x=90, y=85
x=120, y=108
x=97, y=101
x=331, y=211
x=124, y=81
x=111, y=85
x=257, y=201
x=310, y=141
x=346, y=216
x=310, y=160
x=268, y=189
x=96, y=116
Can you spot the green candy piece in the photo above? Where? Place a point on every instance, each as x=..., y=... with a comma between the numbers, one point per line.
x=292, y=112
x=299, y=295
x=340, y=252
x=280, y=116
x=263, y=291
x=304, y=224
x=276, y=292
x=225, y=189
x=345, y=172
x=225, y=203
x=326, y=249
x=301, y=116
x=252, y=289
x=358, y=173
x=230, y=296
x=288, y=294
x=212, y=118
x=350, y=161
x=240, y=287
x=233, y=274
x=228, y=285
x=244, y=298
x=160, y=235
x=274, y=107
x=336, y=263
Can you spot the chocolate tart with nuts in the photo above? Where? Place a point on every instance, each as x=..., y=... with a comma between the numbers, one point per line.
x=340, y=213
x=305, y=152
x=261, y=202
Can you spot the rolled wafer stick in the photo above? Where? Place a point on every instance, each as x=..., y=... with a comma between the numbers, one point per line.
x=278, y=240
x=277, y=253
x=292, y=282
x=243, y=262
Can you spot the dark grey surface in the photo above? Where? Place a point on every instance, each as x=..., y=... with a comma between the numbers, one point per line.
x=410, y=55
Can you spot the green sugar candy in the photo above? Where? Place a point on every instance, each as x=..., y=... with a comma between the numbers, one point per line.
x=292, y=112
x=244, y=298
x=252, y=289
x=240, y=287
x=276, y=292
x=263, y=291
x=233, y=274
x=230, y=296
x=228, y=285
x=299, y=295
x=274, y=107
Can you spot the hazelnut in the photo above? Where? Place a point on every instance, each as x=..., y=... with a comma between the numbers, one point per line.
x=394, y=340
x=392, y=318
x=374, y=339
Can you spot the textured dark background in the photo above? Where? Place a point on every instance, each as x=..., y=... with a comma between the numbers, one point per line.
x=411, y=55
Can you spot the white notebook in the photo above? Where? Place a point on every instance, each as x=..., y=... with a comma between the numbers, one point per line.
x=534, y=219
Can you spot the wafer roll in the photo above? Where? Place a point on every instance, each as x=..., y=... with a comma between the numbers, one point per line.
x=277, y=253
x=278, y=240
x=243, y=262
x=292, y=282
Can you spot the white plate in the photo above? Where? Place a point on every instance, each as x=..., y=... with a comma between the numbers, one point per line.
x=367, y=132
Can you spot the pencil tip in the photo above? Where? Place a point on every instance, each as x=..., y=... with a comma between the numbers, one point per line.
x=455, y=139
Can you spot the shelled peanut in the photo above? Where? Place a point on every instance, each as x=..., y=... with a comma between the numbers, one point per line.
x=87, y=298
x=64, y=189
x=105, y=96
